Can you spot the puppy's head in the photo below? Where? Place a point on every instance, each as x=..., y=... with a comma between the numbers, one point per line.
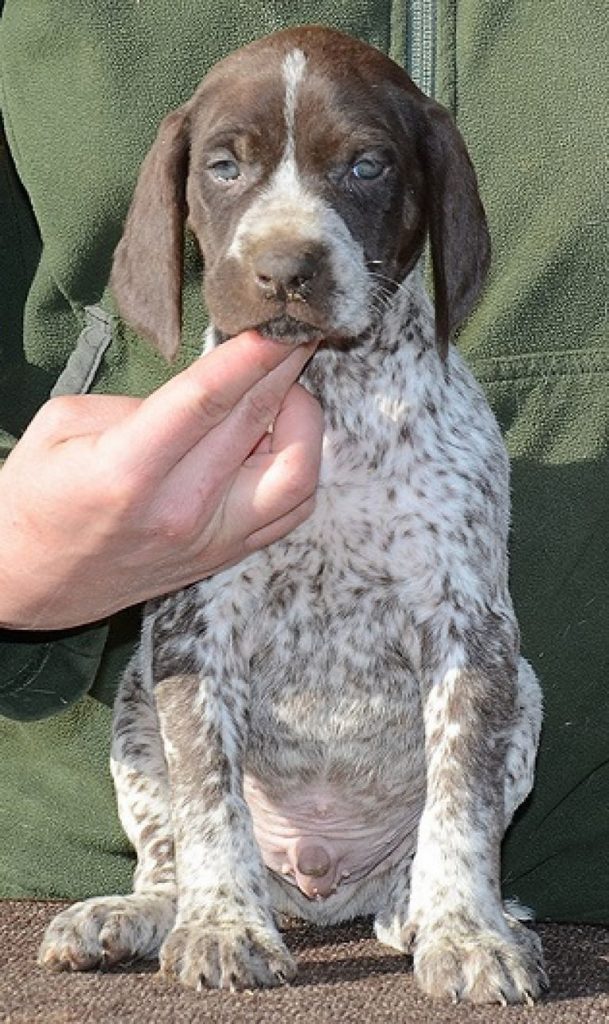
x=310, y=169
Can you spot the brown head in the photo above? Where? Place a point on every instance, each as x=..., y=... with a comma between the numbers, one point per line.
x=310, y=169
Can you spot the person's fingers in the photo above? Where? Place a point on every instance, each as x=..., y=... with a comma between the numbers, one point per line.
x=272, y=484
x=174, y=419
x=234, y=553
x=211, y=464
x=276, y=399
x=300, y=418
x=280, y=527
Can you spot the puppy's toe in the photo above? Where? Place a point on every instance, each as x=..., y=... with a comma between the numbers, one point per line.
x=480, y=966
x=234, y=955
x=106, y=931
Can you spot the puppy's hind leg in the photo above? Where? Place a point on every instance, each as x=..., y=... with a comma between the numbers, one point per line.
x=522, y=750
x=108, y=930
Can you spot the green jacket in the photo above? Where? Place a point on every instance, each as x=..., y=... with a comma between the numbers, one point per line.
x=83, y=88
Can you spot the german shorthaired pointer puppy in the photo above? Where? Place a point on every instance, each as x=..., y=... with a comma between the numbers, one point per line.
x=341, y=724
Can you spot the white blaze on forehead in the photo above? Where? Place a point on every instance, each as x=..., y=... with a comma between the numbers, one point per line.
x=293, y=69
x=285, y=200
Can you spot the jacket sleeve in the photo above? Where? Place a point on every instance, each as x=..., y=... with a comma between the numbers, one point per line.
x=43, y=673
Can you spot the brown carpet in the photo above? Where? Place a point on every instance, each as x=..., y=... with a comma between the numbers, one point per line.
x=345, y=977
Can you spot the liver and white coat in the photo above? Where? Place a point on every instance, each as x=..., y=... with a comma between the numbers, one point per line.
x=342, y=723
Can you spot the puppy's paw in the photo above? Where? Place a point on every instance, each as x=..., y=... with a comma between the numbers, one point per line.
x=233, y=954
x=480, y=965
x=106, y=931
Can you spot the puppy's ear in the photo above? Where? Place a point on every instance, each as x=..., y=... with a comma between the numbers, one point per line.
x=147, y=269
x=458, y=232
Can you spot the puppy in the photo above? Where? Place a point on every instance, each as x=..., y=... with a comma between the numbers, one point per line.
x=341, y=724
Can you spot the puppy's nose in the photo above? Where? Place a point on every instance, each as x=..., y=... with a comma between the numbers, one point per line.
x=285, y=275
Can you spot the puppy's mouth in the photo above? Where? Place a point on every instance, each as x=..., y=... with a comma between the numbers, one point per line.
x=289, y=330
x=284, y=328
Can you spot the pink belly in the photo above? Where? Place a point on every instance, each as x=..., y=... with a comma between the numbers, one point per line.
x=322, y=837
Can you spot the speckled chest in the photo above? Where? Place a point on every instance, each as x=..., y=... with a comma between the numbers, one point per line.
x=323, y=633
x=325, y=625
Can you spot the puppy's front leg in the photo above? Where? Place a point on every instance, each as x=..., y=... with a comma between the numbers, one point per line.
x=465, y=946
x=225, y=935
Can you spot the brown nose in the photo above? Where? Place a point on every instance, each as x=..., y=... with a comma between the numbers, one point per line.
x=285, y=275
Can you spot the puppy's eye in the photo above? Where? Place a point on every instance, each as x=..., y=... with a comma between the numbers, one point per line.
x=367, y=168
x=225, y=170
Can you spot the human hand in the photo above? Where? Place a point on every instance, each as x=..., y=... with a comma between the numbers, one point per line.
x=107, y=501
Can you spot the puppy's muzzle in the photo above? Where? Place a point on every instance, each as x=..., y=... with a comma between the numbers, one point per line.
x=284, y=288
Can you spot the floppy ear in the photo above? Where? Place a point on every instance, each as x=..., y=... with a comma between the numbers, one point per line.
x=147, y=270
x=458, y=232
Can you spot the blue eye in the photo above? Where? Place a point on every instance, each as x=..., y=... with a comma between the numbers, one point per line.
x=367, y=168
x=225, y=170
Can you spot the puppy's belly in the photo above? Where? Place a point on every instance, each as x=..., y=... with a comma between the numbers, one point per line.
x=322, y=836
